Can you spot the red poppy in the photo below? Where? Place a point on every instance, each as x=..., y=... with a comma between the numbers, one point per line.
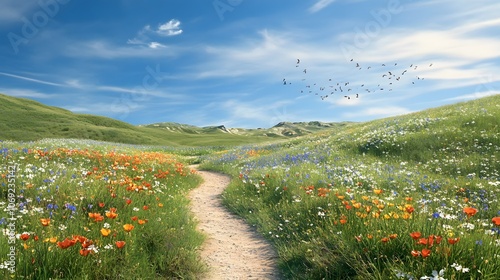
x=145, y=207
x=87, y=243
x=120, y=244
x=415, y=235
x=496, y=221
x=409, y=209
x=84, y=252
x=66, y=243
x=24, y=236
x=415, y=253
x=426, y=253
x=452, y=241
x=128, y=201
x=101, y=204
x=422, y=241
x=470, y=211
x=134, y=218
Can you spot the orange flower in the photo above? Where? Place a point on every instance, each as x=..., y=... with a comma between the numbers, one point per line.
x=84, y=252
x=128, y=227
x=422, y=241
x=87, y=243
x=66, y=243
x=145, y=207
x=496, y=221
x=141, y=222
x=96, y=216
x=111, y=215
x=24, y=236
x=415, y=253
x=128, y=201
x=393, y=236
x=105, y=232
x=470, y=211
x=45, y=222
x=101, y=204
x=409, y=208
x=377, y=191
x=79, y=238
x=120, y=244
x=160, y=204
x=426, y=253
x=452, y=241
x=385, y=239
x=415, y=235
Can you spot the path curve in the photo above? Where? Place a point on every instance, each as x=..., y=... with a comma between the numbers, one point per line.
x=233, y=249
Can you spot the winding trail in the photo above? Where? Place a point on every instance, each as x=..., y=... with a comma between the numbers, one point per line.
x=232, y=250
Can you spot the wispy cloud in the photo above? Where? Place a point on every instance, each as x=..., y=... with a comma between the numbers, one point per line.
x=320, y=5
x=109, y=50
x=31, y=79
x=377, y=112
x=471, y=96
x=27, y=93
x=13, y=10
x=167, y=29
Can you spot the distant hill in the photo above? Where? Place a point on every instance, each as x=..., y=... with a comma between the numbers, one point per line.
x=280, y=130
x=23, y=119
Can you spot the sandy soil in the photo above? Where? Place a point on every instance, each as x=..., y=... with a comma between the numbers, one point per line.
x=233, y=249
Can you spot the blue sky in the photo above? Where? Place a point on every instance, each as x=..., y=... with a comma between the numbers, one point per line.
x=214, y=62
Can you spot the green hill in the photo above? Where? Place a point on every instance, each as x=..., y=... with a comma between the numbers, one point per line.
x=27, y=120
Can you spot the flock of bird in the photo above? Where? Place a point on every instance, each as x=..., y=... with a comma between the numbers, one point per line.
x=389, y=73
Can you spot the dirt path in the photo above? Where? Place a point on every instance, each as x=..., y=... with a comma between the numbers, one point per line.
x=233, y=250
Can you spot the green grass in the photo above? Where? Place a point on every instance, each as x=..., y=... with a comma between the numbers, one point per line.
x=343, y=205
x=27, y=120
x=72, y=182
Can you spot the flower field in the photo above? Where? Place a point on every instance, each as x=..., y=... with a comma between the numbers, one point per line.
x=413, y=197
x=89, y=210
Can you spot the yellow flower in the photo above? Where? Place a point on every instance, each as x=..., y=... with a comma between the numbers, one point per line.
x=128, y=227
x=105, y=232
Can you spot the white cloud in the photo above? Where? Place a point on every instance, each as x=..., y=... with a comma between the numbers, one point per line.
x=156, y=45
x=471, y=96
x=320, y=5
x=377, y=112
x=169, y=28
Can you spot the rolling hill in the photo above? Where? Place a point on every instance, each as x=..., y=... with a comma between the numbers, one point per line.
x=27, y=120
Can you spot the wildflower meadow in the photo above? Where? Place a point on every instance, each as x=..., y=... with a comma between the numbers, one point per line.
x=412, y=197
x=84, y=210
x=409, y=197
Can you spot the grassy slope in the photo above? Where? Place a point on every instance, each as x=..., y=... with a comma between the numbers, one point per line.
x=448, y=153
x=26, y=120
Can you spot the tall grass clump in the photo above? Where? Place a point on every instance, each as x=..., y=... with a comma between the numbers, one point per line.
x=81, y=210
x=412, y=197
